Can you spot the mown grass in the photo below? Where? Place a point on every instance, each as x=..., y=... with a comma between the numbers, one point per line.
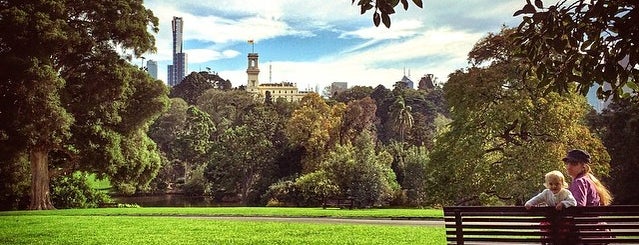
x=243, y=211
x=98, y=226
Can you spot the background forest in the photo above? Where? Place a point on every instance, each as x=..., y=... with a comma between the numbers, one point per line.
x=485, y=137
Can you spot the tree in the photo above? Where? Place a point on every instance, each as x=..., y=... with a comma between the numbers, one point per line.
x=506, y=132
x=358, y=117
x=621, y=137
x=165, y=132
x=242, y=162
x=166, y=128
x=384, y=99
x=14, y=187
x=402, y=117
x=66, y=88
x=424, y=107
x=183, y=134
x=383, y=9
x=354, y=93
x=289, y=156
x=360, y=172
x=196, y=83
x=226, y=108
x=315, y=126
x=194, y=140
x=416, y=170
x=587, y=42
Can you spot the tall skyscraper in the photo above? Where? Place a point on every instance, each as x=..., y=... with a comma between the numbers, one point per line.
x=177, y=70
x=152, y=68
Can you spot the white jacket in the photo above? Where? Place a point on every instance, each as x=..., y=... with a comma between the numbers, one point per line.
x=564, y=196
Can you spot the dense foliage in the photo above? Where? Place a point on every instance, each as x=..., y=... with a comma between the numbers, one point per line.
x=285, y=153
x=619, y=124
x=74, y=191
x=588, y=42
x=505, y=132
x=193, y=85
x=70, y=98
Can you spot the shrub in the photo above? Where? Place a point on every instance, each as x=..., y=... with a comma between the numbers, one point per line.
x=196, y=184
x=74, y=191
x=315, y=187
x=284, y=193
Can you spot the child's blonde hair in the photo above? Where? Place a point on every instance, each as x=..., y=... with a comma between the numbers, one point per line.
x=555, y=175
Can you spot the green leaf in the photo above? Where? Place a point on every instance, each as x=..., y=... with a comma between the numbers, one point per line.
x=405, y=4
x=364, y=6
x=418, y=3
x=632, y=85
x=386, y=19
x=528, y=9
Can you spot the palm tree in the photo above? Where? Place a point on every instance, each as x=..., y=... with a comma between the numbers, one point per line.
x=402, y=117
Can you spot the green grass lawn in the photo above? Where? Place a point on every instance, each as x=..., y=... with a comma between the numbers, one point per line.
x=134, y=226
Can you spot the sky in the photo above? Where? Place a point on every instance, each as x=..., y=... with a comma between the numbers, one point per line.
x=314, y=43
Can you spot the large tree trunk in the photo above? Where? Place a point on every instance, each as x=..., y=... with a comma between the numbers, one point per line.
x=40, y=197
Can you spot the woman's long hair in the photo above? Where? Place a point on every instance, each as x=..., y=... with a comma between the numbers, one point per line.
x=605, y=197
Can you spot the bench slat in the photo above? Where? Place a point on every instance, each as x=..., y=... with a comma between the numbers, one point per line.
x=605, y=224
x=499, y=226
x=504, y=233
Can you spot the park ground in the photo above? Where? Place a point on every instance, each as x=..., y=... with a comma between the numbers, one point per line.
x=225, y=225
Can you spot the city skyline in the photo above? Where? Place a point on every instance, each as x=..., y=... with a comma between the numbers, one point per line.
x=318, y=43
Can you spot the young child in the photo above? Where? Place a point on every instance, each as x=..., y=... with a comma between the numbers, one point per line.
x=555, y=195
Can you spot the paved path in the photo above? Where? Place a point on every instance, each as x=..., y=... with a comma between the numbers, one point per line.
x=419, y=222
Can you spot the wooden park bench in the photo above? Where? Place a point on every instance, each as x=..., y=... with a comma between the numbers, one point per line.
x=345, y=202
x=542, y=225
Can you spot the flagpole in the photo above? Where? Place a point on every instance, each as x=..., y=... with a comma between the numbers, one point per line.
x=252, y=42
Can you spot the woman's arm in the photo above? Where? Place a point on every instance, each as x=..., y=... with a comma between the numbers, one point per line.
x=579, y=190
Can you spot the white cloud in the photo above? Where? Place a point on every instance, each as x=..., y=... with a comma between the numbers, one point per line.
x=436, y=38
x=401, y=29
x=205, y=55
x=361, y=67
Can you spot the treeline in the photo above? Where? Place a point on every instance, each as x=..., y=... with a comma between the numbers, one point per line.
x=237, y=147
x=485, y=137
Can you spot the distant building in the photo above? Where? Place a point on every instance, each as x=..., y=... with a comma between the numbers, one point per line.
x=152, y=68
x=285, y=90
x=406, y=82
x=177, y=70
x=338, y=87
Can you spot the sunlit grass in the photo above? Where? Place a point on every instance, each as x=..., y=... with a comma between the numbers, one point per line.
x=56, y=227
x=243, y=211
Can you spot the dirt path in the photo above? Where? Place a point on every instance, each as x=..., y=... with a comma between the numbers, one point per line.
x=420, y=222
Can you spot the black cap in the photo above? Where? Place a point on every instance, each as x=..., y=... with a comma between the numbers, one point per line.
x=577, y=155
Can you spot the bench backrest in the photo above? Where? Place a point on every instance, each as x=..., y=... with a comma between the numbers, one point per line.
x=479, y=224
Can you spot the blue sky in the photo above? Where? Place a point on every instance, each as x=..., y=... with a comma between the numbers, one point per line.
x=314, y=43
